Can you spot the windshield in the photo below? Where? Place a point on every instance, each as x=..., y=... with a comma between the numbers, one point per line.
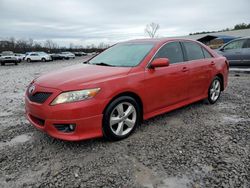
x=123, y=55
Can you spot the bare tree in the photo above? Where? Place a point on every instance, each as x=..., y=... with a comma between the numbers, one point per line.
x=151, y=29
x=102, y=45
x=50, y=45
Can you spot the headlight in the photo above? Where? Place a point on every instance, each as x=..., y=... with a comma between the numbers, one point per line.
x=73, y=96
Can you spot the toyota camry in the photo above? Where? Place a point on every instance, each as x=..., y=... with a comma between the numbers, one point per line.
x=112, y=93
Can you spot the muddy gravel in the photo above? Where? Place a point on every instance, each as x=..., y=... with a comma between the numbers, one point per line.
x=196, y=146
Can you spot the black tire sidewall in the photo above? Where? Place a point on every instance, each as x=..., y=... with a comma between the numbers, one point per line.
x=107, y=132
x=209, y=96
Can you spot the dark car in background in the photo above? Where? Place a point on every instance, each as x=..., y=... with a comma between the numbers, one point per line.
x=237, y=52
x=56, y=56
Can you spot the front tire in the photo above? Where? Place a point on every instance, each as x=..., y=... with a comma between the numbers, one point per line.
x=28, y=60
x=43, y=60
x=121, y=118
x=214, y=90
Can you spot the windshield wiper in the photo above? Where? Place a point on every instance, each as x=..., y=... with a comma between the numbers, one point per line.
x=103, y=64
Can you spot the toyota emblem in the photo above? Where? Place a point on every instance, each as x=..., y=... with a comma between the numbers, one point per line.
x=32, y=89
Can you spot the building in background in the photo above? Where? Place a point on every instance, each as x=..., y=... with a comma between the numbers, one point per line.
x=217, y=39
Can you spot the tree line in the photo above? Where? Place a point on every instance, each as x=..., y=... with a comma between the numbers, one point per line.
x=29, y=45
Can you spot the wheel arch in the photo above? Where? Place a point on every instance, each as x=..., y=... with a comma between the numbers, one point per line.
x=130, y=94
x=222, y=79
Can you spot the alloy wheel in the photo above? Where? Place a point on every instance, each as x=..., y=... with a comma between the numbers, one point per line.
x=215, y=90
x=123, y=119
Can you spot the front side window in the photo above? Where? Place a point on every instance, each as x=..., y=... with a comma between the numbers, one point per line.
x=193, y=51
x=123, y=55
x=234, y=45
x=172, y=51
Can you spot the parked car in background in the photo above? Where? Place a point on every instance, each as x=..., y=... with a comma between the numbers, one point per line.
x=80, y=53
x=129, y=82
x=56, y=56
x=67, y=55
x=8, y=57
x=37, y=56
x=237, y=52
x=20, y=56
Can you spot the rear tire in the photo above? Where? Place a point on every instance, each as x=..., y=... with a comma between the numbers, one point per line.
x=214, y=90
x=16, y=63
x=2, y=63
x=121, y=118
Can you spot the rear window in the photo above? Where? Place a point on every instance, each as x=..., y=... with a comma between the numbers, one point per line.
x=193, y=50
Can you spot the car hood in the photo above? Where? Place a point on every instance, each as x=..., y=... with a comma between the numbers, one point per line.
x=74, y=77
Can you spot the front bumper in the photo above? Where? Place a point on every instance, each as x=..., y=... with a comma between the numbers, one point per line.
x=86, y=115
x=8, y=60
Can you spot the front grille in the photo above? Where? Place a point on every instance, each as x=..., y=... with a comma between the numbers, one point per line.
x=39, y=97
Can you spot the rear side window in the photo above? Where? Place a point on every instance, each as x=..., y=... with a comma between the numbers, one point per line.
x=206, y=53
x=193, y=51
x=172, y=51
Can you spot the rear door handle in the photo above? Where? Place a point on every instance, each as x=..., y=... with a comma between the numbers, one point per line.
x=184, y=69
x=212, y=63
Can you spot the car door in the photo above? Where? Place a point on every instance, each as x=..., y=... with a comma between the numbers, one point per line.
x=165, y=86
x=233, y=52
x=34, y=56
x=246, y=53
x=200, y=68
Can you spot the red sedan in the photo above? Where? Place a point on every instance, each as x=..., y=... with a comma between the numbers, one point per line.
x=132, y=81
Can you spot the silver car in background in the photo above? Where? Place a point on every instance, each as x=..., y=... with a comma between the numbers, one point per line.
x=8, y=57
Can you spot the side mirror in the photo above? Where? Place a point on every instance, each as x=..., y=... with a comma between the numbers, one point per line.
x=159, y=62
x=221, y=49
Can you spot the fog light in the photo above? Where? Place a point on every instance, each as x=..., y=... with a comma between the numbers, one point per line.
x=66, y=128
x=72, y=127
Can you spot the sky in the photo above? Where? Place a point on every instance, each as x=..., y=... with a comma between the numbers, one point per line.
x=85, y=22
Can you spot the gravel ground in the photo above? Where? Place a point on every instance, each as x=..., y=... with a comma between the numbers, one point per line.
x=196, y=146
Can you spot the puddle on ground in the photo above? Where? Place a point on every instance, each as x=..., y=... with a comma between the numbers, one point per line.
x=145, y=177
x=234, y=119
x=16, y=140
x=175, y=182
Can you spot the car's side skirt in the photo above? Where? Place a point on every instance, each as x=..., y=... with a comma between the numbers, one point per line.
x=173, y=107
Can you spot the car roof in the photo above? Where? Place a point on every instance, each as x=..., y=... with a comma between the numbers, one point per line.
x=157, y=40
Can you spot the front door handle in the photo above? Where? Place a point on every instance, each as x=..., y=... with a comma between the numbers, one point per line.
x=212, y=63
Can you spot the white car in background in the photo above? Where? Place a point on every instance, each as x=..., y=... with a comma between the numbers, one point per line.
x=8, y=57
x=67, y=55
x=37, y=56
x=20, y=57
